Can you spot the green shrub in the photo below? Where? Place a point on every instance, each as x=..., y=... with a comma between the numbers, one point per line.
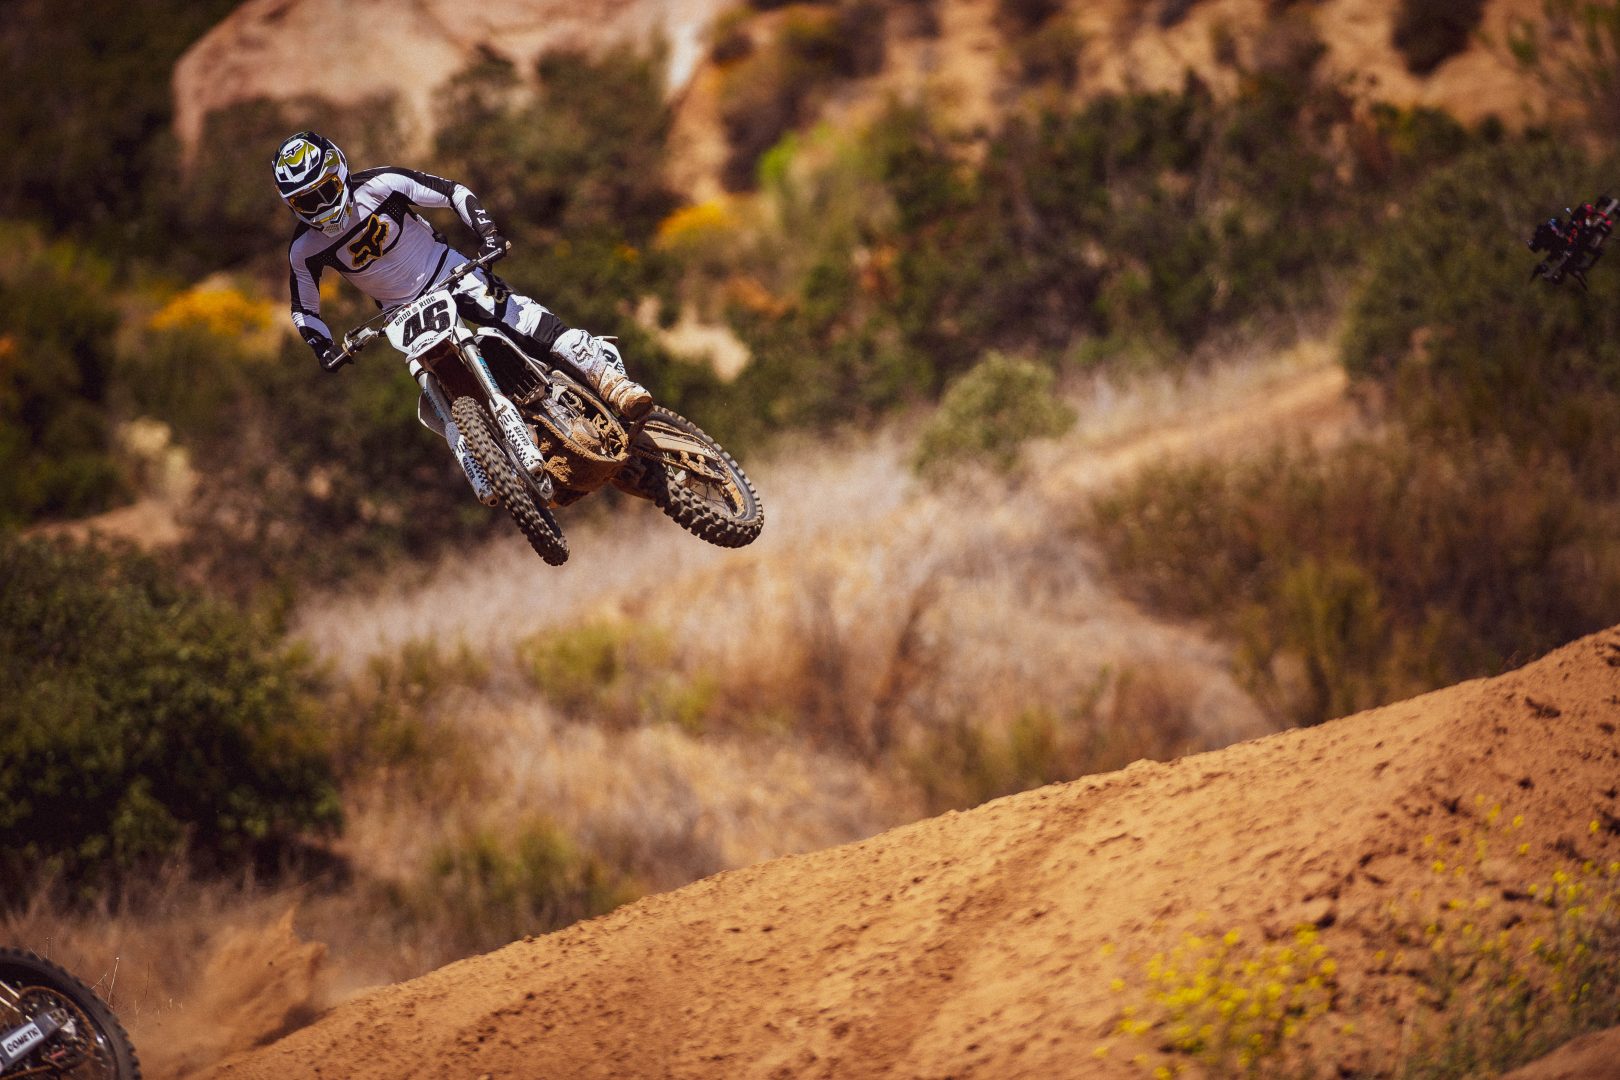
x=140, y=721
x=1573, y=51
x=1379, y=570
x=989, y=414
x=615, y=671
x=584, y=157
x=1330, y=616
x=313, y=476
x=960, y=762
x=775, y=87
x=57, y=375
x=1447, y=331
x=389, y=719
x=487, y=889
x=1160, y=220
x=89, y=154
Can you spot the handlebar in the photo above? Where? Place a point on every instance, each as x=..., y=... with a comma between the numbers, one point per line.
x=367, y=332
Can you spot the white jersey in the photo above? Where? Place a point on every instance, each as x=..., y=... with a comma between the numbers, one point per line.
x=384, y=247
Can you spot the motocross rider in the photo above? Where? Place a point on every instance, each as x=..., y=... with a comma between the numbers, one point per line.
x=366, y=229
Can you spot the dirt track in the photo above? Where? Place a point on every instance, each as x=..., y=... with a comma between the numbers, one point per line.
x=977, y=944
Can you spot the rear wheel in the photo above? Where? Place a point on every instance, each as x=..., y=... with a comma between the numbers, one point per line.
x=91, y=1045
x=541, y=529
x=693, y=480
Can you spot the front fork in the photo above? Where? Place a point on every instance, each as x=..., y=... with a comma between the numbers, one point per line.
x=507, y=417
x=434, y=395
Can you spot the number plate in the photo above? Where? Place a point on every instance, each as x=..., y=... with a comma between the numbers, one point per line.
x=422, y=324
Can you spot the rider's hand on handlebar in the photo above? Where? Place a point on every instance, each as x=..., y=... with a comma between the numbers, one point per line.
x=494, y=248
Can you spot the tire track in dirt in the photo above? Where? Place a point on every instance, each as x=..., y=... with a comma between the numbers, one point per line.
x=976, y=944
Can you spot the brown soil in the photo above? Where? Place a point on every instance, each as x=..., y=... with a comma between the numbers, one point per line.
x=1591, y=1057
x=258, y=983
x=978, y=944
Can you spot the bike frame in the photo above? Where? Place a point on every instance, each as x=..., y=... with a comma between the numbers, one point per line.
x=423, y=330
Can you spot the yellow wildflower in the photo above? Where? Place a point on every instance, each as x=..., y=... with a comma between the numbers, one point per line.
x=222, y=311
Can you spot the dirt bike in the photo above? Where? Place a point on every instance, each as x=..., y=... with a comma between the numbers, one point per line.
x=1574, y=246
x=532, y=437
x=54, y=1027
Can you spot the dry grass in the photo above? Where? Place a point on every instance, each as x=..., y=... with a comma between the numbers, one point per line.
x=777, y=699
x=882, y=653
x=194, y=969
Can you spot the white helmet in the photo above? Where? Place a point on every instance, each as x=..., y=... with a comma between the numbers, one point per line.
x=313, y=179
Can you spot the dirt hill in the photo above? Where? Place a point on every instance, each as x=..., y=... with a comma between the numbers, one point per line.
x=986, y=944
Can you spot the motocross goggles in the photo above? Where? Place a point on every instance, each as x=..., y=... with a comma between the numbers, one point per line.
x=323, y=196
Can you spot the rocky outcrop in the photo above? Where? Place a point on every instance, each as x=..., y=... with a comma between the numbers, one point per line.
x=960, y=53
x=348, y=50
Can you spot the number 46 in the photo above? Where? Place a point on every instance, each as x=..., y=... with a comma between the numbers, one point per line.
x=434, y=318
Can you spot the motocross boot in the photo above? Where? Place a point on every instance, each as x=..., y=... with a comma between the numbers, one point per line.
x=599, y=361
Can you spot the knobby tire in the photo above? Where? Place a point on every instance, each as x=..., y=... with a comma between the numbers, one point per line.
x=734, y=525
x=541, y=529
x=109, y=1055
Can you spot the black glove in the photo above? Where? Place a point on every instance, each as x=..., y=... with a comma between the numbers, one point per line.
x=493, y=248
x=329, y=357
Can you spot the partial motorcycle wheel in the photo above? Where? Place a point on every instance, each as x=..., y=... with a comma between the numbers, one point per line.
x=541, y=529
x=695, y=482
x=93, y=1045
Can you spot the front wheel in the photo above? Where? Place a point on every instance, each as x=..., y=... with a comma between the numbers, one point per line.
x=694, y=481
x=89, y=1044
x=541, y=529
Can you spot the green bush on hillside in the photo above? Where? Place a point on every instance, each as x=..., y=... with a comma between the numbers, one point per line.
x=1362, y=575
x=140, y=722
x=989, y=414
x=1574, y=51
x=765, y=93
x=584, y=156
x=315, y=476
x=489, y=889
x=768, y=91
x=1164, y=218
x=57, y=372
x=1448, y=330
x=88, y=152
